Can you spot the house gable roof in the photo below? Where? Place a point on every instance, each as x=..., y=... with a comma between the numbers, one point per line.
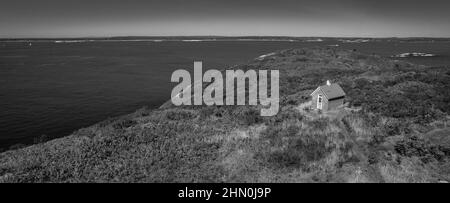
x=330, y=91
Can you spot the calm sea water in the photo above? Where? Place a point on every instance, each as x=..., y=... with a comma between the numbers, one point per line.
x=55, y=88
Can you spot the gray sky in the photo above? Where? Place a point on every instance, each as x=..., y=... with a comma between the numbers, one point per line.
x=333, y=18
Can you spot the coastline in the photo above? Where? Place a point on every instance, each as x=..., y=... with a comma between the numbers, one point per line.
x=234, y=144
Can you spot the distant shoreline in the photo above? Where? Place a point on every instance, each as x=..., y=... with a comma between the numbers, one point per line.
x=222, y=38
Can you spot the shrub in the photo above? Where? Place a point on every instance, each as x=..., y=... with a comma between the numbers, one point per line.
x=319, y=124
x=247, y=115
x=396, y=127
x=124, y=123
x=285, y=115
x=276, y=132
x=301, y=151
x=417, y=147
x=206, y=112
x=307, y=109
x=179, y=114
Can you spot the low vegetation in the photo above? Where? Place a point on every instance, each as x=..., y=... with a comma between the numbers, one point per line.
x=395, y=128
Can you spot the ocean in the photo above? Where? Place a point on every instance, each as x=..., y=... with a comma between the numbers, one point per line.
x=53, y=89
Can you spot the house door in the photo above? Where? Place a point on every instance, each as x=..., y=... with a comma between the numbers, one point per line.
x=319, y=101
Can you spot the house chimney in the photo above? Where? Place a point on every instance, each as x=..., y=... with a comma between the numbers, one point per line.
x=328, y=83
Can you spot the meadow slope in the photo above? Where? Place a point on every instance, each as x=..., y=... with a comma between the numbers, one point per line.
x=394, y=128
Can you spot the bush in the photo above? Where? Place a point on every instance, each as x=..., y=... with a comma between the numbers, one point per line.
x=247, y=115
x=319, y=124
x=277, y=132
x=206, y=112
x=179, y=114
x=124, y=123
x=396, y=127
x=416, y=147
x=301, y=151
x=285, y=115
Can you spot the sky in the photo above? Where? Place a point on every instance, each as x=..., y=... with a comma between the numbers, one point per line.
x=303, y=18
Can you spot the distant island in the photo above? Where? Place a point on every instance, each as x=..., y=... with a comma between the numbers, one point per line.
x=394, y=127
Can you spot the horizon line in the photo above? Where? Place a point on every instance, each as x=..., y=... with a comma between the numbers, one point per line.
x=205, y=36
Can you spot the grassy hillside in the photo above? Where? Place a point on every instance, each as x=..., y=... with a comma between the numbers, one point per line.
x=395, y=128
